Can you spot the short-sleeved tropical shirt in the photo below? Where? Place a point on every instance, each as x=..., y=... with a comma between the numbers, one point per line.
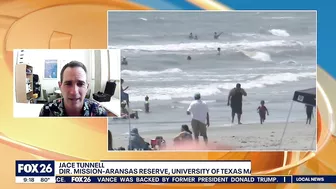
x=56, y=108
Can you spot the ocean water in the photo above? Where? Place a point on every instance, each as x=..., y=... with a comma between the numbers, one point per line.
x=270, y=54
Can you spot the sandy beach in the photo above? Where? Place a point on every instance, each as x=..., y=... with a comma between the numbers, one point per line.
x=271, y=55
x=298, y=136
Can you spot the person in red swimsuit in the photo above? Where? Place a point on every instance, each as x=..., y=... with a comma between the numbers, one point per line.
x=262, y=110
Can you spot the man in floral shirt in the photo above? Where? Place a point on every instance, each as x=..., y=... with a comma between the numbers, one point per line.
x=74, y=87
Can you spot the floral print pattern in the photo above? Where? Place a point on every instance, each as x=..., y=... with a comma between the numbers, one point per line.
x=56, y=108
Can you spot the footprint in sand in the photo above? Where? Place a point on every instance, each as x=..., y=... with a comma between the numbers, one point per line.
x=243, y=142
x=272, y=136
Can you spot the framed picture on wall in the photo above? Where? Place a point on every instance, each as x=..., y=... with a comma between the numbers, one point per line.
x=50, y=69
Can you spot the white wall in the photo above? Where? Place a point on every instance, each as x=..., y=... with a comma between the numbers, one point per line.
x=37, y=57
x=104, y=69
x=104, y=65
x=114, y=55
x=115, y=60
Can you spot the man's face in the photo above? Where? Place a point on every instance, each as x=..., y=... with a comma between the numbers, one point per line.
x=74, y=87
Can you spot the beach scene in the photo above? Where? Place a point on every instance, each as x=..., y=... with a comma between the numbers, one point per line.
x=170, y=56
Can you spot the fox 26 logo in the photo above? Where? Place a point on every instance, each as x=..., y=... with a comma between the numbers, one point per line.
x=35, y=168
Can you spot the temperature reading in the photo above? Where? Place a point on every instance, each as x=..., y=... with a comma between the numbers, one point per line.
x=31, y=179
x=25, y=179
x=45, y=179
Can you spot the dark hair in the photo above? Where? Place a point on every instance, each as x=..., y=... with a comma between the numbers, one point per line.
x=186, y=128
x=238, y=85
x=197, y=96
x=146, y=98
x=72, y=64
x=135, y=131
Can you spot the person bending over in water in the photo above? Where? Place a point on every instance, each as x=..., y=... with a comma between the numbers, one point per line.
x=216, y=36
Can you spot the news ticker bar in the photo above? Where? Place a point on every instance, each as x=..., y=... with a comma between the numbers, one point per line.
x=49, y=171
x=179, y=179
x=131, y=168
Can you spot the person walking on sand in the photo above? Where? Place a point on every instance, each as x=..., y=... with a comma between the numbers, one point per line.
x=147, y=104
x=262, y=110
x=235, y=99
x=200, y=113
x=309, y=112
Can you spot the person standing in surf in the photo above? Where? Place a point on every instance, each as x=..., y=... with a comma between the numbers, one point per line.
x=235, y=99
x=191, y=36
